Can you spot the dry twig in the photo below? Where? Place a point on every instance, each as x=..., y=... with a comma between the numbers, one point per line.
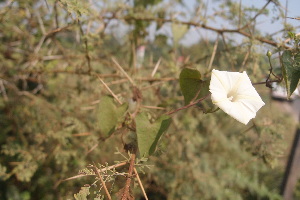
x=101, y=170
x=140, y=183
x=213, y=53
x=156, y=67
x=123, y=71
x=102, y=182
x=110, y=91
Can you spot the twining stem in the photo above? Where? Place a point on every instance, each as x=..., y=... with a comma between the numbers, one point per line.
x=268, y=81
x=271, y=71
x=187, y=106
x=126, y=193
x=264, y=82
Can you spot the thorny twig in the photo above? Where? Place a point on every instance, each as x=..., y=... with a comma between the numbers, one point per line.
x=102, y=182
x=101, y=170
x=111, y=92
x=140, y=183
x=213, y=53
x=123, y=71
x=201, y=25
x=175, y=21
x=126, y=194
x=156, y=67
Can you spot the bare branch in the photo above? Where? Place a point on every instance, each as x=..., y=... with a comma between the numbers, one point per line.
x=257, y=14
x=201, y=25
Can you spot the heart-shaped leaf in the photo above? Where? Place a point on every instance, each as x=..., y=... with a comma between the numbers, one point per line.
x=191, y=85
x=291, y=70
x=148, y=134
x=109, y=115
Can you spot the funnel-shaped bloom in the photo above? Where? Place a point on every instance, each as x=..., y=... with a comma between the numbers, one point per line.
x=235, y=95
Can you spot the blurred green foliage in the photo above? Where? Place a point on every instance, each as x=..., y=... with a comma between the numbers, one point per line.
x=56, y=118
x=297, y=191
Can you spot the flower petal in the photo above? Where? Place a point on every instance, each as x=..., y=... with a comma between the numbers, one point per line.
x=224, y=79
x=234, y=94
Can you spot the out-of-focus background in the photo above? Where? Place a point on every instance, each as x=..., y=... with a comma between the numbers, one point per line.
x=57, y=58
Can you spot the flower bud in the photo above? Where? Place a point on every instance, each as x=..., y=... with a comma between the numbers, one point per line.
x=269, y=53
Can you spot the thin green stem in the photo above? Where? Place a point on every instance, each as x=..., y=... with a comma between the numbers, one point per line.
x=268, y=81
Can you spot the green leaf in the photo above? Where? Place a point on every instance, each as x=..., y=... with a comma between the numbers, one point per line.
x=178, y=30
x=291, y=35
x=77, y=7
x=3, y=173
x=109, y=115
x=291, y=70
x=148, y=134
x=82, y=194
x=161, y=40
x=191, y=85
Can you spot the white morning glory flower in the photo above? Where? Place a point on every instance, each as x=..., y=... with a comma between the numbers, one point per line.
x=235, y=95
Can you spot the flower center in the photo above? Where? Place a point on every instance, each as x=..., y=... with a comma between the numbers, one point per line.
x=231, y=96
